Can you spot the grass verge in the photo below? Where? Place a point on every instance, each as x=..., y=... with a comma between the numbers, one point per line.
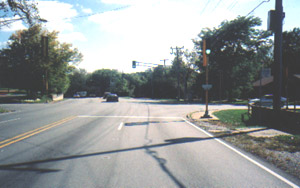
x=2, y=110
x=234, y=118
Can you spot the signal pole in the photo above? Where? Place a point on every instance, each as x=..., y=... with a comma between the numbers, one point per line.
x=177, y=53
x=206, y=86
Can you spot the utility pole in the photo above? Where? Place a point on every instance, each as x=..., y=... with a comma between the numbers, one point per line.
x=164, y=65
x=164, y=61
x=177, y=53
x=278, y=19
x=45, y=54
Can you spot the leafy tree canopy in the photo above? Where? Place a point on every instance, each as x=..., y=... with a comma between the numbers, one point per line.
x=24, y=67
x=15, y=10
x=235, y=48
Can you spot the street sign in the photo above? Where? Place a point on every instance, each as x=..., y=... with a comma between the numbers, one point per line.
x=206, y=86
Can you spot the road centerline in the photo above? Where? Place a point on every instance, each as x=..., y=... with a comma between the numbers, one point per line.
x=28, y=134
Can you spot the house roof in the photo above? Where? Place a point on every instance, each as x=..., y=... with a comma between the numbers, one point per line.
x=263, y=81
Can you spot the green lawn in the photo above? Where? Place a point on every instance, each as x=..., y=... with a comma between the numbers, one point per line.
x=233, y=117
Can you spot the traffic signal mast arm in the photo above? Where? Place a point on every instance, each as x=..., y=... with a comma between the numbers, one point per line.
x=136, y=63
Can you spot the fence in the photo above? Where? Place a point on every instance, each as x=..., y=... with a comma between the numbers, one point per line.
x=288, y=119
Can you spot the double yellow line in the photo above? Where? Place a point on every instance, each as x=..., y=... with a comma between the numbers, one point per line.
x=28, y=134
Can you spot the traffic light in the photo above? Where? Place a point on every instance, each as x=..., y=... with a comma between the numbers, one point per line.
x=134, y=64
x=204, y=53
x=208, y=44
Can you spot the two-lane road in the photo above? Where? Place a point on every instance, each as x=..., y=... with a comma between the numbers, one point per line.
x=132, y=143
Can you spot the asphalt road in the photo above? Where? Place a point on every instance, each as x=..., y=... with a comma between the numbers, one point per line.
x=132, y=143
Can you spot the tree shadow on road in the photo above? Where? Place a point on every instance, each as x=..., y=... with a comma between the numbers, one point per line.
x=32, y=165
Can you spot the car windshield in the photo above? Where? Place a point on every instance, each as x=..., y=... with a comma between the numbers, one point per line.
x=149, y=93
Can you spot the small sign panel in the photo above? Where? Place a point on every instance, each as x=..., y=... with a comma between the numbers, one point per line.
x=206, y=86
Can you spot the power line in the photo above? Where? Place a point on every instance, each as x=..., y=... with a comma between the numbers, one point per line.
x=205, y=7
x=265, y=1
x=232, y=5
x=217, y=5
x=92, y=14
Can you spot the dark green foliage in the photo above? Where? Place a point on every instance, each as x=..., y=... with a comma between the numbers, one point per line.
x=24, y=67
x=291, y=50
x=236, y=55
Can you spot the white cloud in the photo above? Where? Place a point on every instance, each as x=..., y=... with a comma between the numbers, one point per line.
x=147, y=30
x=18, y=25
x=87, y=10
x=57, y=14
x=71, y=37
x=121, y=2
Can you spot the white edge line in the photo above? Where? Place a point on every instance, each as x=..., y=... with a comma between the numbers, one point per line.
x=245, y=156
x=120, y=126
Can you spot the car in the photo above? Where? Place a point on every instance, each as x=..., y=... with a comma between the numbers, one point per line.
x=112, y=98
x=106, y=94
x=266, y=100
x=76, y=95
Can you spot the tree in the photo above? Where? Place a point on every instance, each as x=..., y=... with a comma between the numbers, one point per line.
x=291, y=50
x=235, y=48
x=78, y=78
x=291, y=62
x=26, y=67
x=189, y=72
x=16, y=10
x=106, y=80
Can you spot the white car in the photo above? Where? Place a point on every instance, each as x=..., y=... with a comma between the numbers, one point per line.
x=266, y=100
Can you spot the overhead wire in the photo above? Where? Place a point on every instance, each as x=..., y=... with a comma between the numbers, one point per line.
x=265, y=1
x=92, y=14
x=231, y=6
x=217, y=5
x=208, y=1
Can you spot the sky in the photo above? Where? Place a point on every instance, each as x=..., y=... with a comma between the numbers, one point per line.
x=112, y=33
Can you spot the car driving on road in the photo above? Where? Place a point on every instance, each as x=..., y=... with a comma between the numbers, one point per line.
x=112, y=98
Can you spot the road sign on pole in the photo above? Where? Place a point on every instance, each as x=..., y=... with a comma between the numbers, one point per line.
x=206, y=86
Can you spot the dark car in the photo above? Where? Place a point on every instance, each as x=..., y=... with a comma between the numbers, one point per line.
x=106, y=94
x=112, y=98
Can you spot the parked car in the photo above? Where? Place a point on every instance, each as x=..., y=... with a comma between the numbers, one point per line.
x=266, y=100
x=112, y=98
x=76, y=95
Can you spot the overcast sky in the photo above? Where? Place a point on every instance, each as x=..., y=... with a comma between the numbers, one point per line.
x=112, y=33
